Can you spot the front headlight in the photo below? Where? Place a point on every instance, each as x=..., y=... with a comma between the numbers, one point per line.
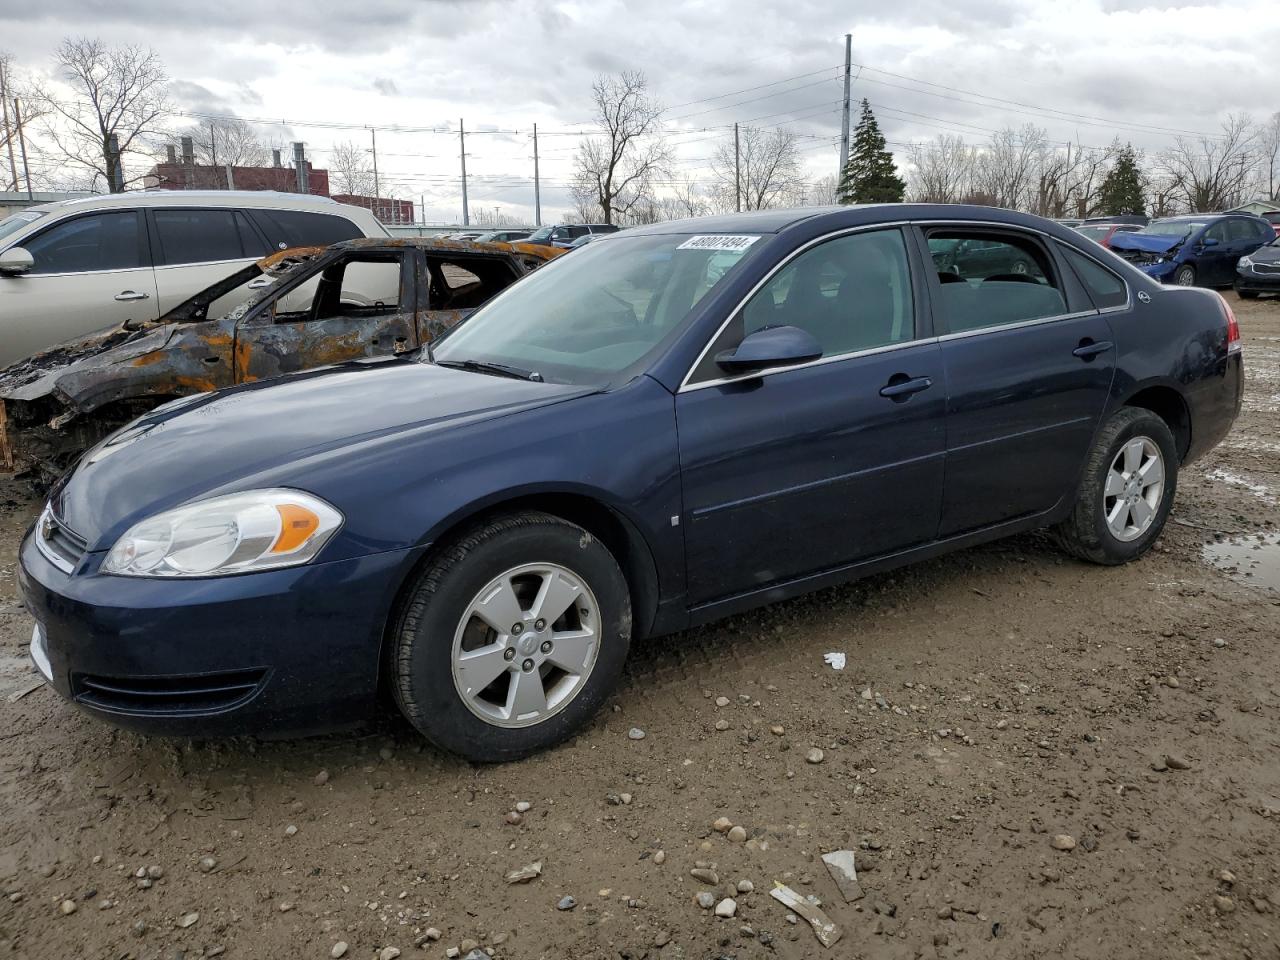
x=1245, y=261
x=238, y=533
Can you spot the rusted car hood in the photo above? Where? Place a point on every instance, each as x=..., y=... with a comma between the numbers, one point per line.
x=42, y=374
x=256, y=433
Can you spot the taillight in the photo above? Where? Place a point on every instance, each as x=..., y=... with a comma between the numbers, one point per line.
x=1233, y=327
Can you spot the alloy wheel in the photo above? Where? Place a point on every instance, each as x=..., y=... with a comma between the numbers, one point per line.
x=1134, y=489
x=1185, y=277
x=526, y=645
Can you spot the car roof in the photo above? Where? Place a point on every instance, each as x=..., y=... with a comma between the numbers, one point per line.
x=272, y=199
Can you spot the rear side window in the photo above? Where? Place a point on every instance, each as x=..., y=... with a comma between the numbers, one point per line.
x=992, y=280
x=202, y=236
x=1105, y=288
x=295, y=228
x=99, y=241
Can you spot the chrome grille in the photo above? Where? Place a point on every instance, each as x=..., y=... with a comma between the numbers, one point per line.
x=60, y=545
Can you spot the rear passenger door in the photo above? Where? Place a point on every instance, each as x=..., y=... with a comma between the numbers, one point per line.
x=1028, y=363
x=195, y=248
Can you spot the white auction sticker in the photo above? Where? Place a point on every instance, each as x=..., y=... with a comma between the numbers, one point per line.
x=718, y=241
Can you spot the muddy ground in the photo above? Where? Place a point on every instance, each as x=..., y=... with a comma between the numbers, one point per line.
x=993, y=700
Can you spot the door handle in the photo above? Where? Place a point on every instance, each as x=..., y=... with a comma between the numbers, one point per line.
x=125, y=295
x=1089, y=349
x=901, y=387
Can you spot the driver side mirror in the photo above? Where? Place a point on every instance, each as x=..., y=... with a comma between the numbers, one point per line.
x=1208, y=242
x=15, y=261
x=770, y=347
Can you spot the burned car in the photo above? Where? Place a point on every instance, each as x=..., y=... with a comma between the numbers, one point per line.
x=307, y=307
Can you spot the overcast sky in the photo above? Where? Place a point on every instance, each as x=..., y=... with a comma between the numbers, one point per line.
x=1086, y=70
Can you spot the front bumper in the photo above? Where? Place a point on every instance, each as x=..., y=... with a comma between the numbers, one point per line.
x=281, y=652
x=1162, y=271
x=1253, y=282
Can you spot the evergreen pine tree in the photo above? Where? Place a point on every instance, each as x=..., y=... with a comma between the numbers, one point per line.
x=869, y=176
x=1121, y=191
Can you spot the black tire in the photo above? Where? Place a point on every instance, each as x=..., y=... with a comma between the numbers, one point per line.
x=421, y=648
x=1246, y=294
x=1184, y=276
x=1085, y=533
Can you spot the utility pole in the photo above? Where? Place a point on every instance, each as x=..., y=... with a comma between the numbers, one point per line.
x=422, y=205
x=737, y=171
x=115, y=172
x=462, y=142
x=213, y=154
x=373, y=134
x=844, y=123
x=537, y=186
x=22, y=142
x=8, y=132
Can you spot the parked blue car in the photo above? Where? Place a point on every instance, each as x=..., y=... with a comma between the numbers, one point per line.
x=669, y=426
x=1195, y=250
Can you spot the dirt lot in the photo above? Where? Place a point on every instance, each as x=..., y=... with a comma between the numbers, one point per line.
x=993, y=700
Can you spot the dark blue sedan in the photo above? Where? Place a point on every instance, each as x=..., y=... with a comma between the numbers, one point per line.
x=1194, y=250
x=672, y=425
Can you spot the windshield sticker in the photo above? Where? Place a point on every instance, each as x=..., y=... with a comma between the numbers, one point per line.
x=718, y=241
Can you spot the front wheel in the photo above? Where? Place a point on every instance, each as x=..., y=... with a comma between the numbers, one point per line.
x=1246, y=294
x=1126, y=492
x=512, y=638
x=1185, y=276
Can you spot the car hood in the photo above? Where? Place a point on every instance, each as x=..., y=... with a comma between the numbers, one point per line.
x=1146, y=242
x=1267, y=254
x=229, y=440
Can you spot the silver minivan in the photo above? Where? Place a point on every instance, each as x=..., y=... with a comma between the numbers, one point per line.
x=77, y=266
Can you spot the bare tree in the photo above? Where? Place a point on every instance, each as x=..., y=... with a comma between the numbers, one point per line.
x=12, y=172
x=687, y=199
x=1269, y=157
x=234, y=142
x=1006, y=166
x=823, y=192
x=942, y=169
x=350, y=170
x=768, y=168
x=116, y=92
x=616, y=169
x=1211, y=173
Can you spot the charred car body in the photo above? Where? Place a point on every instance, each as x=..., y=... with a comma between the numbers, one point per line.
x=308, y=307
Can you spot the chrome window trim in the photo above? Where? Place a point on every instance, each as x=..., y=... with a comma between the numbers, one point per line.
x=686, y=385
x=210, y=263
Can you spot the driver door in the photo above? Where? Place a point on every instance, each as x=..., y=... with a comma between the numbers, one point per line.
x=362, y=304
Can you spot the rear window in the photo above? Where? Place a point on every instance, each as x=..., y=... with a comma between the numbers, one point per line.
x=204, y=236
x=1105, y=288
x=295, y=228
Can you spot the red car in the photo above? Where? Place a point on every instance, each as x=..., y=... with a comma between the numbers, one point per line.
x=1103, y=232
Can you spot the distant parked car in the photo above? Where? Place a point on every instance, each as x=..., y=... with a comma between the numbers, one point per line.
x=679, y=424
x=73, y=267
x=464, y=235
x=979, y=258
x=563, y=235
x=1103, y=232
x=503, y=236
x=306, y=308
x=1259, y=272
x=1194, y=250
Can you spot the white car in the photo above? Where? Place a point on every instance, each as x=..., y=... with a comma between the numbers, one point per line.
x=77, y=266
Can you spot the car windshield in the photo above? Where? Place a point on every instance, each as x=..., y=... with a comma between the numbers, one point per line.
x=540, y=235
x=590, y=317
x=11, y=225
x=1172, y=228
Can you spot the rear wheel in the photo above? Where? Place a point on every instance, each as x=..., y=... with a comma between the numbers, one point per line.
x=512, y=638
x=1185, y=276
x=1126, y=492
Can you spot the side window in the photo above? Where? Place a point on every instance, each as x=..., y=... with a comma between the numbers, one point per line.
x=198, y=236
x=294, y=228
x=353, y=287
x=990, y=280
x=561, y=233
x=463, y=283
x=250, y=241
x=1217, y=232
x=851, y=293
x=1243, y=230
x=1105, y=288
x=100, y=241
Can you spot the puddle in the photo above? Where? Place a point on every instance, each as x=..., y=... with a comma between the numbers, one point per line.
x=1254, y=560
